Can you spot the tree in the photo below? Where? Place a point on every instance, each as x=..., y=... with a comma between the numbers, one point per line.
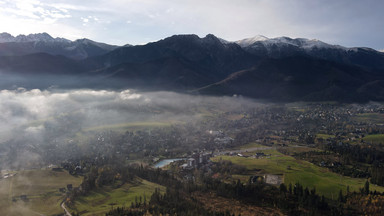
x=341, y=197
x=283, y=188
x=366, y=187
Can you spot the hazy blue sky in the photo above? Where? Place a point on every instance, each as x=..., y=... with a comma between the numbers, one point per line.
x=344, y=22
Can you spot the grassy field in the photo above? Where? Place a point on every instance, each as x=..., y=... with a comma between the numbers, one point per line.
x=41, y=188
x=324, y=136
x=299, y=149
x=374, y=138
x=130, y=126
x=234, y=117
x=376, y=118
x=250, y=145
x=308, y=174
x=102, y=200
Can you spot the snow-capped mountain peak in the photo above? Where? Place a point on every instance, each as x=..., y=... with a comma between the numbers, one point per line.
x=34, y=37
x=39, y=37
x=249, y=41
x=43, y=42
x=301, y=43
x=6, y=37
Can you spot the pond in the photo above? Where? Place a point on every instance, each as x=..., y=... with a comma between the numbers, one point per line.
x=165, y=162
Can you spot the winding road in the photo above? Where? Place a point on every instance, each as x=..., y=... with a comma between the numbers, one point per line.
x=65, y=209
x=236, y=151
x=243, y=150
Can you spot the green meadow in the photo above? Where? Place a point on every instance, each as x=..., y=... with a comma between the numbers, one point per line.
x=102, y=200
x=374, y=138
x=130, y=126
x=41, y=188
x=251, y=145
x=326, y=182
x=375, y=118
x=324, y=136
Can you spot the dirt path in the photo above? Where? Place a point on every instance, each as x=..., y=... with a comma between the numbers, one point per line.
x=10, y=191
x=216, y=203
x=65, y=209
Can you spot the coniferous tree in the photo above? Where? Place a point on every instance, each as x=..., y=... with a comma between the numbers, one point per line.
x=341, y=197
x=366, y=187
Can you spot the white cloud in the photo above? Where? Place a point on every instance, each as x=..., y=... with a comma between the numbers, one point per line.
x=21, y=108
x=24, y=25
x=169, y=10
x=49, y=20
x=57, y=14
x=34, y=129
x=76, y=6
x=15, y=13
x=127, y=95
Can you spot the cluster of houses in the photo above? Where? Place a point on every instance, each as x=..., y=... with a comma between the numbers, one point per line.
x=196, y=160
x=257, y=155
x=267, y=178
x=21, y=197
x=7, y=175
x=220, y=137
x=63, y=189
x=329, y=164
x=260, y=155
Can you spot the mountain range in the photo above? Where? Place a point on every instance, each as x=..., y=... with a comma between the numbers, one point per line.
x=44, y=43
x=279, y=69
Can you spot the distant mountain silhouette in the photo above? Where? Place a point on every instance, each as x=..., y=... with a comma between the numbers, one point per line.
x=280, y=69
x=36, y=43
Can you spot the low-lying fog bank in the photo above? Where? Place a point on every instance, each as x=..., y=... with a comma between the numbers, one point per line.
x=33, y=120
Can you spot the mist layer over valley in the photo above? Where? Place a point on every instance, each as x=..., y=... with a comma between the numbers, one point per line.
x=37, y=124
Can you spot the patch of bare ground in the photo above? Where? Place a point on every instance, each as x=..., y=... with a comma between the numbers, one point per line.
x=213, y=202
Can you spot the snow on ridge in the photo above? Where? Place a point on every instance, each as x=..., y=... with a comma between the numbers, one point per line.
x=223, y=41
x=39, y=37
x=249, y=41
x=5, y=37
x=303, y=43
